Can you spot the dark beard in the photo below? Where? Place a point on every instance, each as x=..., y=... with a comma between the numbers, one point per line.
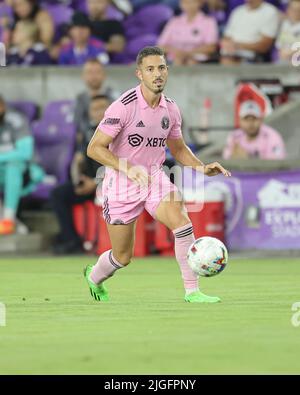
x=2, y=116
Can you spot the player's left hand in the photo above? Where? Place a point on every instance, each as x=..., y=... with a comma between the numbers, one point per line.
x=213, y=169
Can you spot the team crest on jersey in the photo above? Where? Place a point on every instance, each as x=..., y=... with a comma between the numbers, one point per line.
x=165, y=122
x=135, y=139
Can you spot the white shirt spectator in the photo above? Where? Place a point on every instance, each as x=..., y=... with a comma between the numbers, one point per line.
x=288, y=35
x=247, y=25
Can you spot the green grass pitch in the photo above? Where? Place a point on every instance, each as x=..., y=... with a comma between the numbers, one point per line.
x=54, y=327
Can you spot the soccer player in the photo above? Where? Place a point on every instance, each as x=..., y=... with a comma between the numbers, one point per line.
x=130, y=141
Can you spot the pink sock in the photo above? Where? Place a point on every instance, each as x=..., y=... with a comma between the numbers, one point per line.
x=105, y=267
x=184, y=237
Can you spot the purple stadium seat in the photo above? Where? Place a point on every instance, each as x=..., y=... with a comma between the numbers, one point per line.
x=5, y=10
x=30, y=109
x=54, y=144
x=112, y=12
x=61, y=16
x=62, y=110
x=59, y=13
x=147, y=20
x=79, y=5
x=138, y=43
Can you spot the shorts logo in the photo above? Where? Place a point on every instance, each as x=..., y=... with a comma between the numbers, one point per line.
x=111, y=121
x=135, y=140
x=165, y=122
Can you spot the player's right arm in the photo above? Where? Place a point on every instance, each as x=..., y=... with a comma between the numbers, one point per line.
x=114, y=122
x=98, y=150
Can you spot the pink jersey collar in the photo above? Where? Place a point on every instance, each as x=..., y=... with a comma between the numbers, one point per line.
x=143, y=102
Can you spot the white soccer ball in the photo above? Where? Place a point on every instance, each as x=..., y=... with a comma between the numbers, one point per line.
x=207, y=256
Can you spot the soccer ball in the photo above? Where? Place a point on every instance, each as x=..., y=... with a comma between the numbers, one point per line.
x=207, y=256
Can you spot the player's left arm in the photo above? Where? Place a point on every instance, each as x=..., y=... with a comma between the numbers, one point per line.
x=182, y=154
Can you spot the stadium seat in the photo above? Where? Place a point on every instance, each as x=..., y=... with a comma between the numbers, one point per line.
x=138, y=43
x=59, y=13
x=61, y=16
x=28, y=108
x=62, y=110
x=112, y=12
x=54, y=143
x=147, y=20
x=5, y=10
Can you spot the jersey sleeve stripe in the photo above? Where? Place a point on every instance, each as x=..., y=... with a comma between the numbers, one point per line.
x=129, y=100
x=128, y=96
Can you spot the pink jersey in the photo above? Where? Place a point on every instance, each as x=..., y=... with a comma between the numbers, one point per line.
x=267, y=145
x=139, y=131
x=183, y=34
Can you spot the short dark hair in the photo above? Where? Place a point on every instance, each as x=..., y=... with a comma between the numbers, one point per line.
x=149, y=51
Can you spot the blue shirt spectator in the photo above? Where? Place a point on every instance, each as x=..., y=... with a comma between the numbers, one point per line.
x=70, y=55
x=82, y=46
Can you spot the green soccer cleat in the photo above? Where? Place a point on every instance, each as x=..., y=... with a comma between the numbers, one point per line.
x=199, y=297
x=98, y=292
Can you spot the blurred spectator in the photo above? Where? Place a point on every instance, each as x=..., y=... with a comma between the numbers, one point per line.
x=82, y=47
x=250, y=32
x=16, y=153
x=191, y=37
x=30, y=10
x=109, y=31
x=6, y=23
x=174, y=4
x=289, y=33
x=217, y=9
x=94, y=77
x=26, y=50
x=83, y=185
x=253, y=139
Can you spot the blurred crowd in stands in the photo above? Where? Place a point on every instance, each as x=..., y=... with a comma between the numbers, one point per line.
x=68, y=32
x=93, y=33
x=43, y=154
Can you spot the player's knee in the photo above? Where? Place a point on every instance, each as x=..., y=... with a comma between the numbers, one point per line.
x=123, y=257
x=179, y=217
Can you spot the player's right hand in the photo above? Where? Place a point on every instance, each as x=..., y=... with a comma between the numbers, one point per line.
x=138, y=175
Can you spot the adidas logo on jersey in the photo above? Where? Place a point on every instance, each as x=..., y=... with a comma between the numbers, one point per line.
x=140, y=125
